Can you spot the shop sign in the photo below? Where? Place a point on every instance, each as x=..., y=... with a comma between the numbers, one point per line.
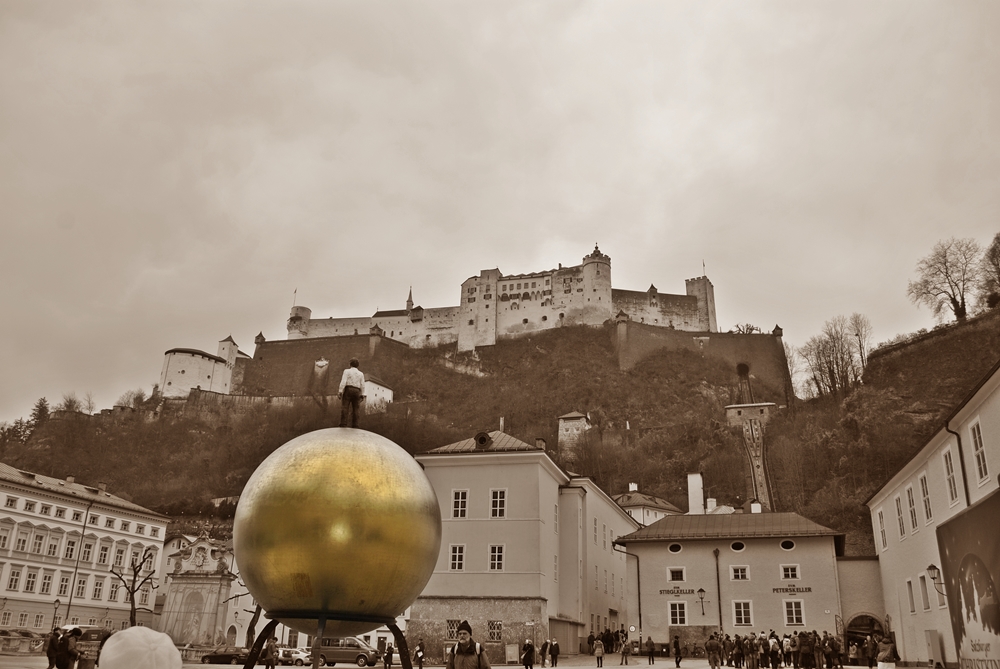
x=676, y=591
x=792, y=590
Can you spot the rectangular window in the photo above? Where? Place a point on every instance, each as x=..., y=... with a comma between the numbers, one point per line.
x=909, y=596
x=741, y=614
x=899, y=518
x=144, y=595
x=113, y=591
x=60, y=513
x=22, y=619
x=70, y=549
x=793, y=612
x=29, y=506
x=980, y=453
x=595, y=577
x=925, y=600
x=85, y=553
x=98, y=588
x=5, y=619
x=457, y=557
x=46, y=584
x=949, y=475
x=453, y=629
x=789, y=572
x=604, y=536
x=63, y=586
x=81, y=586
x=77, y=516
x=46, y=510
x=911, y=506
x=881, y=529
x=4, y=535
x=496, y=558
x=678, y=613
x=109, y=523
x=555, y=567
x=53, y=550
x=498, y=503
x=125, y=526
x=595, y=530
x=494, y=630
x=555, y=518
x=102, y=554
x=37, y=542
x=155, y=532
x=140, y=529
x=459, y=503
x=94, y=520
x=39, y=620
x=30, y=579
x=675, y=573
x=739, y=573
x=11, y=503
x=605, y=581
x=119, y=557
x=926, y=496
x=14, y=582
x=22, y=542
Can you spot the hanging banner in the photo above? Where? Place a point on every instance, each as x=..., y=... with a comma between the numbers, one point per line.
x=969, y=545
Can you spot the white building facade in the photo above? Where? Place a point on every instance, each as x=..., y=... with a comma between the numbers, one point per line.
x=59, y=541
x=949, y=477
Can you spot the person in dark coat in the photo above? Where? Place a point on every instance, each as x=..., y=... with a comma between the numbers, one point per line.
x=66, y=652
x=387, y=658
x=554, y=652
x=418, y=653
x=528, y=654
x=51, y=646
x=651, y=649
x=676, y=644
x=544, y=652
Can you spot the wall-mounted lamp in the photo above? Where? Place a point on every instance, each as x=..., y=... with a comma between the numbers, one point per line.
x=701, y=599
x=935, y=574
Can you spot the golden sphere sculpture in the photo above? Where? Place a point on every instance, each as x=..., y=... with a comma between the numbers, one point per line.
x=339, y=523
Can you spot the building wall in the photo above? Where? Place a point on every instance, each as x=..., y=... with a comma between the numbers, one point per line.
x=183, y=372
x=815, y=558
x=41, y=579
x=860, y=588
x=905, y=552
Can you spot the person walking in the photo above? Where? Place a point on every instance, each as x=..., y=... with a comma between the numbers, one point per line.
x=418, y=653
x=387, y=658
x=599, y=651
x=869, y=649
x=51, y=646
x=713, y=649
x=528, y=654
x=590, y=642
x=67, y=653
x=271, y=653
x=677, y=650
x=544, y=652
x=554, y=652
x=467, y=653
x=350, y=393
x=651, y=650
x=625, y=652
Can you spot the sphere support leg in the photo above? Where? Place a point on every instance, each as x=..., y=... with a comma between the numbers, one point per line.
x=258, y=645
x=318, y=641
x=404, y=650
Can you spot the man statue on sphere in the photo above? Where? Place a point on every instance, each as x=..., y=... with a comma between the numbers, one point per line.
x=351, y=392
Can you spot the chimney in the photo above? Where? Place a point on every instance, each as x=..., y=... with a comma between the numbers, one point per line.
x=710, y=505
x=696, y=495
x=70, y=479
x=539, y=443
x=633, y=487
x=501, y=423
x=755, y=507
x=103, y=487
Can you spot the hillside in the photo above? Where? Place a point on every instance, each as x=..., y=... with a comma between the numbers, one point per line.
x=651, y=425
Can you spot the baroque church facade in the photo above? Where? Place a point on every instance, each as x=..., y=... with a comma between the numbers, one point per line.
x=493, y=306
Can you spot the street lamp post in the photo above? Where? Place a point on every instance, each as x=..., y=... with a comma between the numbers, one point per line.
x=935, y=574
x=701, y=599
x=55, y=613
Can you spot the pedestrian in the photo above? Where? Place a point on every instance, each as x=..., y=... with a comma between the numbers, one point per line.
x=870, y=650
x=66, y=651
x=351, y=392
x=806, y=655
x=271, y=653
x=625, y=652
x=793, y=643
x=387, y=658
x=418, y=653
x=590, y=642
x=51, y=646
x=713, y=649
x=886, y=653
x=528, y=654
x=599, y=652
x=467, y=653
x=727, y=651
x=544, y=651
x=737, y=655
x=852, y=653
x=786, y=650
x=554, y=651
x=818, y=650
x=751, y=653
x=137, y=647
x=677, y=650
x=651, y=649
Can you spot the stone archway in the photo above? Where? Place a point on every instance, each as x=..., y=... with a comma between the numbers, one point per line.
x=861, y=625
x=231, y=636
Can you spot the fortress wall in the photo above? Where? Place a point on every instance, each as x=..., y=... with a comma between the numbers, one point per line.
x=183, y=372
x=288, y=367
x=335, y=327
x=763, y=353
x=679, y=311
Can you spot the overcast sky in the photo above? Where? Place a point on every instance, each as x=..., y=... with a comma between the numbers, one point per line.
x=170, y=172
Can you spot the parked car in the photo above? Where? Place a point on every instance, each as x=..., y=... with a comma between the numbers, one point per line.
x=296, y=656
x=226, y=655
x=346, y=650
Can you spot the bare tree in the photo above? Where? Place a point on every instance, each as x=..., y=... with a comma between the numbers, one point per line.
x=70, y=402
x=946, y=277
x=88, y=403
x=745, y=328
x=989, y=268
x=860, y=329
x=132, y=398
x=133, y=579
x=830, y=357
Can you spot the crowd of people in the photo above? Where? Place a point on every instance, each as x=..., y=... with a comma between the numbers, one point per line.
x=804, y=650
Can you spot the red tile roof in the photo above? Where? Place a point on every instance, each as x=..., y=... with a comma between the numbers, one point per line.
x=729, y=526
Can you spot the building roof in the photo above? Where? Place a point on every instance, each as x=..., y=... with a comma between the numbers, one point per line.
x=572, y=414
x=84, y=493
x=729, y=526
x=387, y=314
x=500, y=441
x=194, y=351
x=635, y=498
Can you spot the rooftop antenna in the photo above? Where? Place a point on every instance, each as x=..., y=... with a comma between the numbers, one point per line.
x=294, y=295
x=703, y=267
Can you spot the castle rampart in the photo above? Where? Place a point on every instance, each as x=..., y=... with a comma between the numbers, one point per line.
x=493, y=306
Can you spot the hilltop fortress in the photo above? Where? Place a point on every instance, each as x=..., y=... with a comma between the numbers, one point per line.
x=493, y=306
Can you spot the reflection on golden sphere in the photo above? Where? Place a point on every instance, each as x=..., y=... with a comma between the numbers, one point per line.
x=341, y=522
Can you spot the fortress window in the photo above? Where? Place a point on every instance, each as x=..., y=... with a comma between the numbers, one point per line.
x=532, y=284
x=524, y=321
x=170, y=383
x=182, y=371
x=545, y=318
x=471, y=323
x=546, y=282
x=209, y=376
x=562, y=315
